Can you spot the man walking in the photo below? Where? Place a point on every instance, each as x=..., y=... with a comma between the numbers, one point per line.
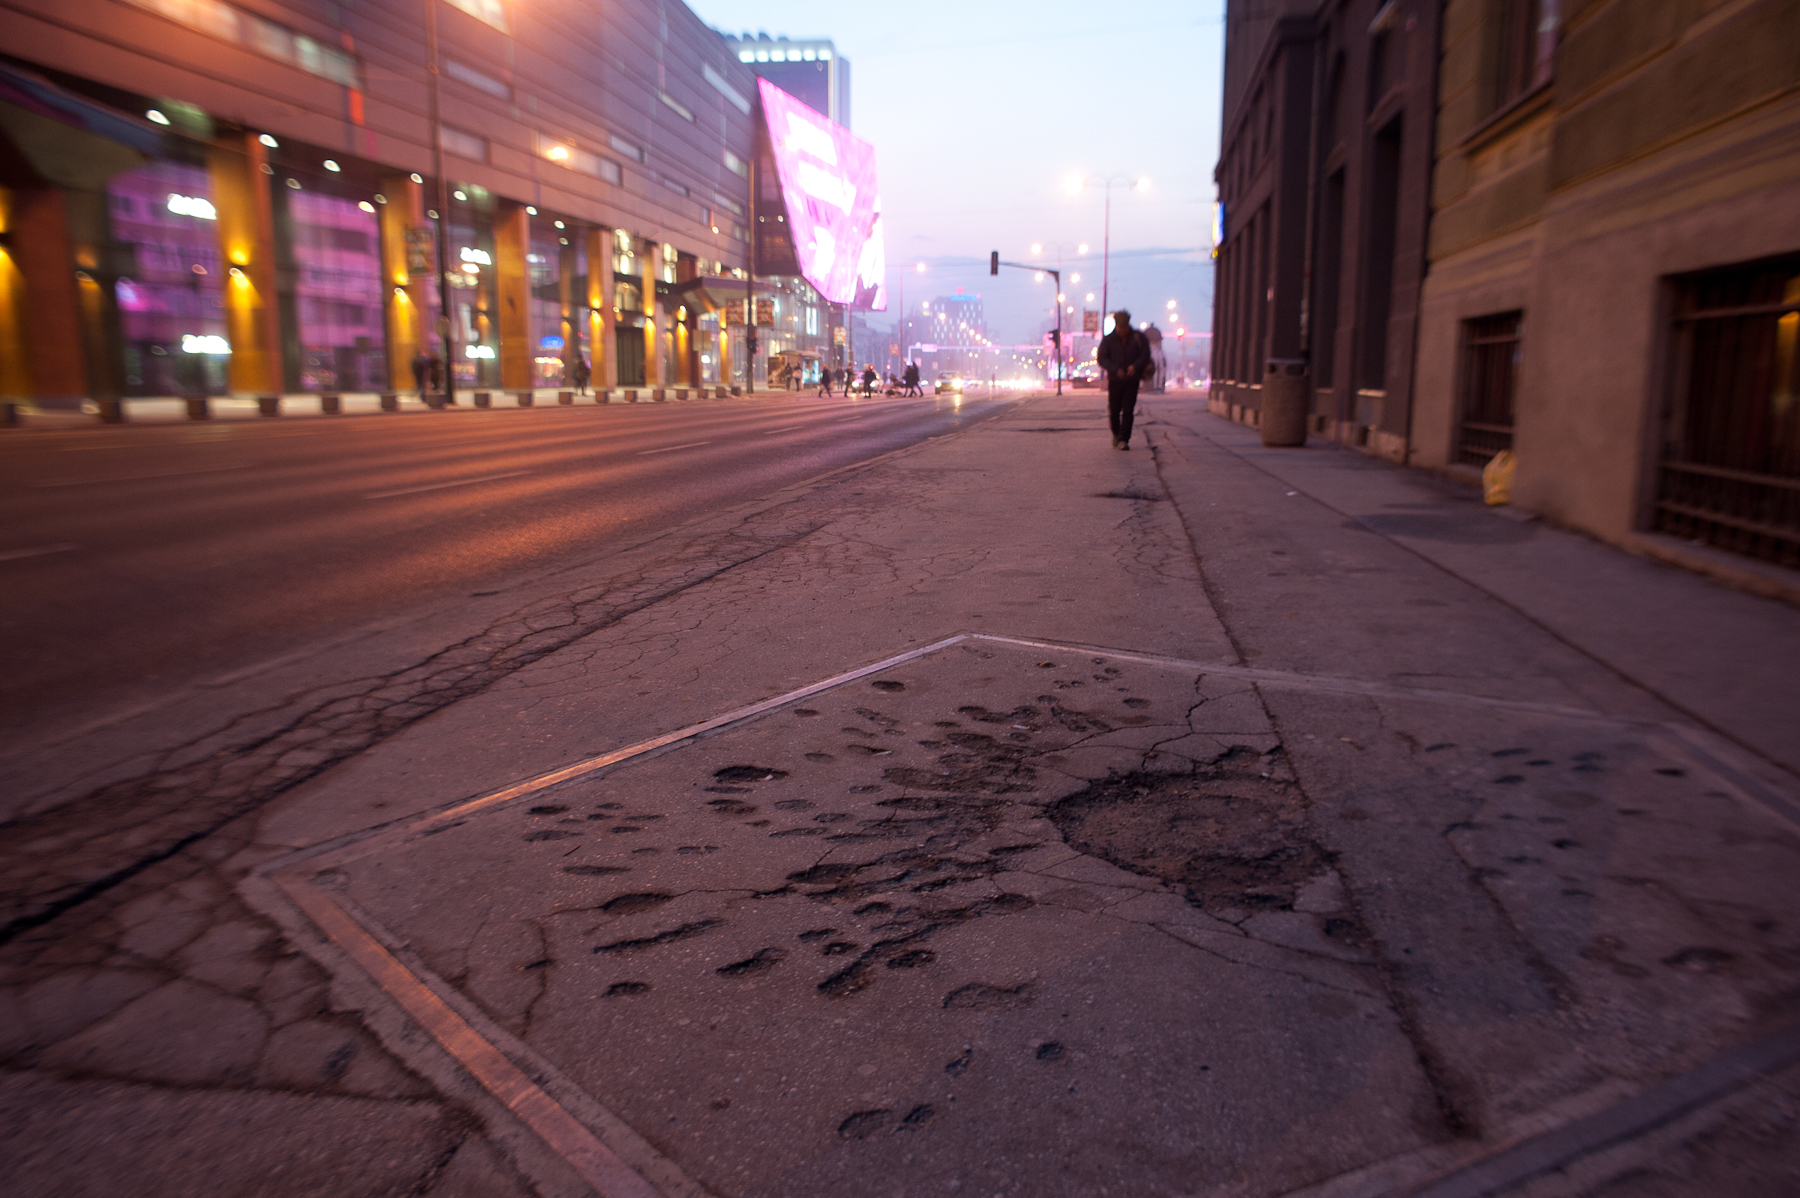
x=421, y=367
x=1124, y=356
x=824, y=382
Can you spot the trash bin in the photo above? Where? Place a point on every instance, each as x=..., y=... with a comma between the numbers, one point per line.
x=1283, y=414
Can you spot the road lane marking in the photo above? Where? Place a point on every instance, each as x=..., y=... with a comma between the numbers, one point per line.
x=790, y=428
x=14, y=555
x=132, y=478
x=461, y=482
x=673, y=448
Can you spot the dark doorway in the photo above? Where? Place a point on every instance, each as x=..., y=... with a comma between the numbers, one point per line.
x=628, y=344
x=1378, y=278
x=1329, y=283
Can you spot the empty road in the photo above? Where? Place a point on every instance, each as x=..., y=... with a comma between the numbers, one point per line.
x=138, y=559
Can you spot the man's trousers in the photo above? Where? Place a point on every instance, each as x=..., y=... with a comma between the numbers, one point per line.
x=1121, y=406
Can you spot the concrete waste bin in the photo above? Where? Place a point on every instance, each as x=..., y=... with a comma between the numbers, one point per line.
x=1283, y=415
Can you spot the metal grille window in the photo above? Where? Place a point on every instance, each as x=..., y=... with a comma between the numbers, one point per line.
x=1730, y=473
x=1490, y=372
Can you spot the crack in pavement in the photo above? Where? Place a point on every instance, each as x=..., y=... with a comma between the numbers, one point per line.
x=196, y=789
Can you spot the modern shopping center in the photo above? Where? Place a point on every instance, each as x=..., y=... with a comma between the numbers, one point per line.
x=202, y=199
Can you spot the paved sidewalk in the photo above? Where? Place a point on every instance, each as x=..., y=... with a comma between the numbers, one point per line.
x=1007, y=816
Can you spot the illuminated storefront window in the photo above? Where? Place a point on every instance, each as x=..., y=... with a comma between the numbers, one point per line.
x=472, y=296
x=337, y=294
x=555, y=342
x=171, y=287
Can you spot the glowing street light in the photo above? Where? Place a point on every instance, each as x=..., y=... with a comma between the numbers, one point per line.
x=1076, y=184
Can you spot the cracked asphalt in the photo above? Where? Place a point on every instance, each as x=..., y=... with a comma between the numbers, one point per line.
x=1003, y=815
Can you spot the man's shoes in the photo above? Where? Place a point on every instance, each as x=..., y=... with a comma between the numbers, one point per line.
x=1118, y=444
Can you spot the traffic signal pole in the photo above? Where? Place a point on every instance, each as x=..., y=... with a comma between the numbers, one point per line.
x=994, y=265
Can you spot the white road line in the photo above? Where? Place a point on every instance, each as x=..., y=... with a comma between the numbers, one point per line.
x=673, y=448
x=14, y=555
x=790, y=428
x=461, y=482
x=132, y=478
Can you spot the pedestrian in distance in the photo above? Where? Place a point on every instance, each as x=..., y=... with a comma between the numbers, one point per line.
x=421, y=368
x=825, y=382
x=868, y=379
x=582, y=373
x=912, y=379
x=1124, y=357
x=436, y=374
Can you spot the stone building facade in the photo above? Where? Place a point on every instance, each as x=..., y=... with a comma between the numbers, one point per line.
x=1614, y=280
x=1565, y=228
x=1323, y=178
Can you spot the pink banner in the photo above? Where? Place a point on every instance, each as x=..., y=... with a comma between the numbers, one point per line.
x=833, y=202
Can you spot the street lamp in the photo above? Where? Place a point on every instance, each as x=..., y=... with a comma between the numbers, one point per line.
x=1079, y=182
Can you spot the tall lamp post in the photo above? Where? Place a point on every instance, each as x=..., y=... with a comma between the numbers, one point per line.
x=1077, y=183
x=445, y=326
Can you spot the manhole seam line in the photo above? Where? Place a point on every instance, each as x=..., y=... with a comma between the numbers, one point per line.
x=1317, y=682
x=567, y=1136
x=341, y=849
x=1637, y=1116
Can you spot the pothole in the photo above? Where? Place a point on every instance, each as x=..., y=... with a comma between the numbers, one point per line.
x=1232, y=840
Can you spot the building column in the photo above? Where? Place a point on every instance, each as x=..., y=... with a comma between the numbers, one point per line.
x=512, y=293
x=407, y=281
x=653, y=318
x=50, y=314
x=600, y=307
x=246, y=228
x=15, y=365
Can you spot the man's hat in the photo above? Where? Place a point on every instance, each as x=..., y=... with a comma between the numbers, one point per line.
x=1121, y=317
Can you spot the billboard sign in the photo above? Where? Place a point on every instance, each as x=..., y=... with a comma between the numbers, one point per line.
x=833, y=204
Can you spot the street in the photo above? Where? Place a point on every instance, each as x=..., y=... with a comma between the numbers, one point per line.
x=1001, y=815
x=141, y=559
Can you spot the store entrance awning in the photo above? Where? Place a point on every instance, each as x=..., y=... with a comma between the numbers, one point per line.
x=707, y=294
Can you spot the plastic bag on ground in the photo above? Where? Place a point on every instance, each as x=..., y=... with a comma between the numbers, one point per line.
x=1497, y=479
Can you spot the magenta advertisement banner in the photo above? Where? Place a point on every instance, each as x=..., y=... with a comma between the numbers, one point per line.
x=833, y=203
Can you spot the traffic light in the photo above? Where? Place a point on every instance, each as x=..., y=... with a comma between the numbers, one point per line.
x=994, y=262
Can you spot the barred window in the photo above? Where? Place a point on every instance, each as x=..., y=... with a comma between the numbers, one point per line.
x=1730, y=471
x=1490, y=372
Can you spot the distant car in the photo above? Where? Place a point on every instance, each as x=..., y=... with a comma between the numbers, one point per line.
x=947, y=382
x=1087, y=375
